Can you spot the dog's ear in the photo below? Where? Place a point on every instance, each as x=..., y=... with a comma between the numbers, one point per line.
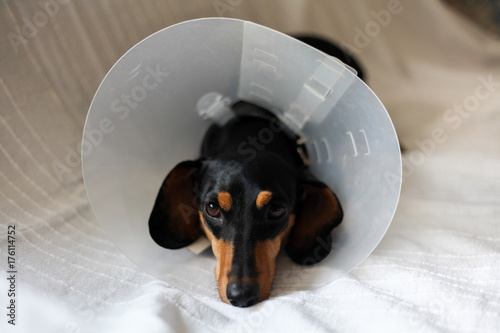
x=318, y=212
x=174, y=221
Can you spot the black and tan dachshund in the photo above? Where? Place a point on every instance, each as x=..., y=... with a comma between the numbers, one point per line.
x=251, y=194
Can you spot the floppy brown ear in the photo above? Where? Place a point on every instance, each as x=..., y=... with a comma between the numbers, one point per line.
x=174, y=221
x=318, y=212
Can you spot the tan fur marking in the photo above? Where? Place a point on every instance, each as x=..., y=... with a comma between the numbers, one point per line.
x=223, y=252
x=263, y=198
x=225, y=200
x=265, y=256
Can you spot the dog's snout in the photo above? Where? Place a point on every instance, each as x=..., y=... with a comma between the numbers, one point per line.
x=243, y=294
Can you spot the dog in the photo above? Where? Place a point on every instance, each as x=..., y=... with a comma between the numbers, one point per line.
x=251, y=194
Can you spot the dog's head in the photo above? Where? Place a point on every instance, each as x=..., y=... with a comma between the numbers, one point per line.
x=248, y=210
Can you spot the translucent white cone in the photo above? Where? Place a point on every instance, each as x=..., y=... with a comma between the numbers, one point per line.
x=155, y=104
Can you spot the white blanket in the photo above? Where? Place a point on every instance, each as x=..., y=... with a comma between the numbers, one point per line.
x=437, y=268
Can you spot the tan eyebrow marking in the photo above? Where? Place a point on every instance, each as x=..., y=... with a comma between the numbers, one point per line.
x=263, y=198
x=225, y=200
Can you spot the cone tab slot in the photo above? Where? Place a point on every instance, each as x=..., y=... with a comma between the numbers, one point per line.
x=322, y=81
x=275, y=75
x=320, y=93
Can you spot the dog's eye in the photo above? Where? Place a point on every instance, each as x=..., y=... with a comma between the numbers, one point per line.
x=212, y=209
x=275, y=212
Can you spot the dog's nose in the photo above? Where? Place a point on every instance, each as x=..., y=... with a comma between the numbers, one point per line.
x=242, y=294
